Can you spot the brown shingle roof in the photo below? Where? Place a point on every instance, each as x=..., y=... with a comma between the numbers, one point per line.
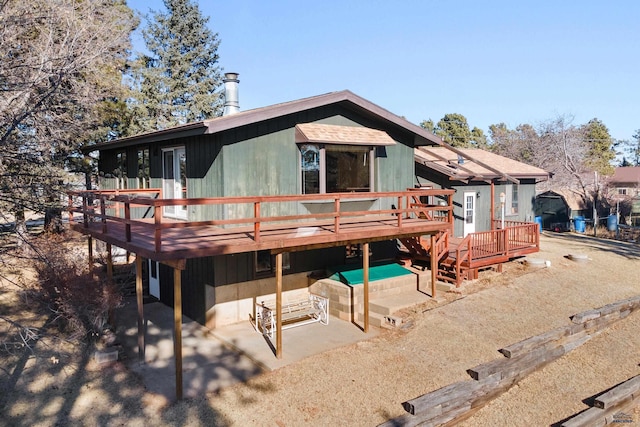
x=474, y=163
x=335, y=134
x=626, y=175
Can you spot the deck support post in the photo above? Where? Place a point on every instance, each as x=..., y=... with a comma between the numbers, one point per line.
x=109, y=265
x=279, y=305
x=434, y=265
x=177, y=329
x=109, y=280
x=365, y=280
x=493, y=204
x=90, y=247
x=141, y=331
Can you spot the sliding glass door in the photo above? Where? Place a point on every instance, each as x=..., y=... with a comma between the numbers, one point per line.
x=174, y=162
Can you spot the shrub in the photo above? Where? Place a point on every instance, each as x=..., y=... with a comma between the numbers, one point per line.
x=81, y=300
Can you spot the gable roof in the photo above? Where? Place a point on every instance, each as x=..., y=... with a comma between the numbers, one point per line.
x=474, y=164
x=626, y=175
x=242, y=118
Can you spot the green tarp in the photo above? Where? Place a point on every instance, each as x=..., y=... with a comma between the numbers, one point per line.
x=351, y=276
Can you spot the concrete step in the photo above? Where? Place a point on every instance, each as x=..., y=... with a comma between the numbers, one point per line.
x=393, y=303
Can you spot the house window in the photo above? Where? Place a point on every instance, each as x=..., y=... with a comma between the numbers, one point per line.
x=468, y=209
x=310, y=166
x=336, y=168
x=511, y=205
x=265, y=262
x=120, y=172
x=143, y=168
x=622, y=191
x=353, y=251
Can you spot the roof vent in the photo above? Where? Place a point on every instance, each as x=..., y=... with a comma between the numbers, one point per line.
x=460, y=160
x=231, y=103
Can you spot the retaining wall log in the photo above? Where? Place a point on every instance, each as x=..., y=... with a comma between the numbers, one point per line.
x=506, y=368
x=609, y=407
x=458, y=401
x=628, y=390
x=630, y=304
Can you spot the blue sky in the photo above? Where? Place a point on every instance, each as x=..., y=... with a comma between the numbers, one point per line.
x=495, y=61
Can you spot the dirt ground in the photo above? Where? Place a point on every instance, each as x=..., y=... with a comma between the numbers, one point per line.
x=364, y=384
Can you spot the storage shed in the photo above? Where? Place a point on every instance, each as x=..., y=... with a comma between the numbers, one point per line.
x=555, y=210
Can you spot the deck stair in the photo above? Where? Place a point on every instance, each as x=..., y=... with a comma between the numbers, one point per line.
x=461, y=259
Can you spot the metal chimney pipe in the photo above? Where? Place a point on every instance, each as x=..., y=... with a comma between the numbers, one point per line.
x=231, y=104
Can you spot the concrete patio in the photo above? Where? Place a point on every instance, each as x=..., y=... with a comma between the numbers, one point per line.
x=217, y=359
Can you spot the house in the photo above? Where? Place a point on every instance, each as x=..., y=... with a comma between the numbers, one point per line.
x=328, y=144
x=625, y=182
x=222, y=171
x=623, y=190
x=225, y=211
x=488, y=187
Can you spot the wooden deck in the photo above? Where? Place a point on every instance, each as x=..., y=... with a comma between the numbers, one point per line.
x=163, y=239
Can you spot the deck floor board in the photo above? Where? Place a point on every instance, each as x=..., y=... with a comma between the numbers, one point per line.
x=208, y=240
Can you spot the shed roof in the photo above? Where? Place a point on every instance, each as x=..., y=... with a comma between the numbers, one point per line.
x=571, y=198
x=242, y=118
x=469, y=164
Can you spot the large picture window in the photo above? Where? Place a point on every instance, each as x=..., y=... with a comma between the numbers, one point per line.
x=336, y=168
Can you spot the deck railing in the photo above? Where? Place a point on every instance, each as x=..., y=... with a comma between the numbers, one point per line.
x=506, y=242
x=116, y=206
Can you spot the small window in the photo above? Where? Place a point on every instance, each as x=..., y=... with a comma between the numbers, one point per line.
x=143, y=168
x=266, y=263
x=310, y=165
x=511, y=203
x=154, y=269
x=622, y=191
x=120, y=172
x=353, y=251
x=514, y=199
x=469, y=209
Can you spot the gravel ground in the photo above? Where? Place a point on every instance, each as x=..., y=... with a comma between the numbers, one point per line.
x=365, y=384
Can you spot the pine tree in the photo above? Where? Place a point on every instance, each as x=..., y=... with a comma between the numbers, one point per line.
x=178, y=81
x=454, y=129
x=600, y=153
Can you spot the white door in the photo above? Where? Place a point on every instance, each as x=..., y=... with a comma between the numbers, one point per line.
x=174, y=180
x=469, y=213
x=154, y=279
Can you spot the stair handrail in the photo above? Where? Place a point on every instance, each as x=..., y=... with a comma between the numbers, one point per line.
x=466, y=241
x=442, y=245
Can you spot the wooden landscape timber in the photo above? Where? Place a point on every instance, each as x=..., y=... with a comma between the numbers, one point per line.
x=609, y=407
x=458, y=401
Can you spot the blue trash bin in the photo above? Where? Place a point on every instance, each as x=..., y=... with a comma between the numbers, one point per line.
x=538, y=221
x=612, y=223
x=579, y=224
